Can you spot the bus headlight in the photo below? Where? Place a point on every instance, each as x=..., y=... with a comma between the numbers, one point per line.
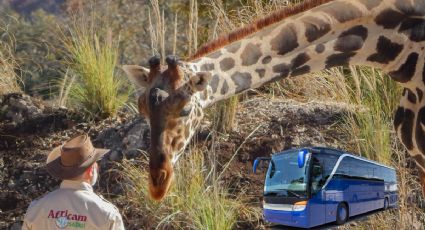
x=299, y=206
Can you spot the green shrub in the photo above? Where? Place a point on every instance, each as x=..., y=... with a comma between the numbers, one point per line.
x=93, y=59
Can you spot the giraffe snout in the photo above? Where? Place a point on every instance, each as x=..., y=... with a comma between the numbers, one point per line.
x=159, y=178
x=159, y=183
x=162, y=177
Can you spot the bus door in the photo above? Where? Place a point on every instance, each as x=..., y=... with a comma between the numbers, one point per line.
x=317, y=204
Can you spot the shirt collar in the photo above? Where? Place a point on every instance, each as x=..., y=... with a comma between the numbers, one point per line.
x=77, y=185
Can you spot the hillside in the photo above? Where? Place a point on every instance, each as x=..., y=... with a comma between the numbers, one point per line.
x=28, y=6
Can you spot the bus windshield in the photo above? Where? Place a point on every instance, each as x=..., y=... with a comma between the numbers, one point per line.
x=285, y=178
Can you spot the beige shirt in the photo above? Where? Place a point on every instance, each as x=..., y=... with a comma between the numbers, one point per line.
x=73, y=206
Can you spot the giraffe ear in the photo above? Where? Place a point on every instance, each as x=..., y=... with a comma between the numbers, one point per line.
x=200, y=81
x=137, y=74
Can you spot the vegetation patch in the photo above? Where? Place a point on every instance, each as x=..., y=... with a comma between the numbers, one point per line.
x=9, y=79
x=197, y=200
x=98, y=90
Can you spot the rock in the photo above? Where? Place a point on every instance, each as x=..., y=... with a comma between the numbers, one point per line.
x=109, y=138
x=26, y=175
x=21, y=104
x=125, y=139
x=19, y=108
x=11, y=184
x=115, y=155
x=33, y=189
x=133, y=153
x=32, y=110
x=3, y=109
x=21, y=115
x=136, y=135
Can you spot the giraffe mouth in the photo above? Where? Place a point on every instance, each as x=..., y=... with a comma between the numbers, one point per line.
x=160, y=183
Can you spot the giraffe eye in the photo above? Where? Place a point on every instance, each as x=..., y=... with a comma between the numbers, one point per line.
x=186, y=111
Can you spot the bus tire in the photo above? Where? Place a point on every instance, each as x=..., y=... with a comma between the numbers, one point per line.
x=386, y=204
x=341, y=213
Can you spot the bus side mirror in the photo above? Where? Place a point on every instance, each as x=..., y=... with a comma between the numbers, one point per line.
x=254, y=167
x=257, y=162
x=301, y=157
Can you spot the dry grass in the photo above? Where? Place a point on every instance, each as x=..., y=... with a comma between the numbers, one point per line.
x=65, y=84
x=157, y=29
x=9, y=80
x=225, y=114
x=372, y=127
x=376, y=97
x=197, y=200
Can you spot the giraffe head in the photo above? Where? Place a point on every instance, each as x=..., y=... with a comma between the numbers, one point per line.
x=168, y=101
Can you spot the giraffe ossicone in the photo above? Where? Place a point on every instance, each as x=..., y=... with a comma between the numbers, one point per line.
x=312, y=36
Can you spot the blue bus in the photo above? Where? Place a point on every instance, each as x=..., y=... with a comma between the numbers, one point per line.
x=313, y=186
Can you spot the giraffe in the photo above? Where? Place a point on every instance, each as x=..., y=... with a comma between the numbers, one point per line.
x=309, y=37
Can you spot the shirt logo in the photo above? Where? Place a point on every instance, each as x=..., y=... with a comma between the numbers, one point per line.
x=62, y=222
x=64, y=219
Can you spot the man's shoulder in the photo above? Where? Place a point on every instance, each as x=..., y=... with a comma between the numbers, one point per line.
x=40, y=200
x=112, y=212
x=105, y=205
x=38, y=204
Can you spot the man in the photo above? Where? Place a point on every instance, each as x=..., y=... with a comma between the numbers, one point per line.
x=74, y=205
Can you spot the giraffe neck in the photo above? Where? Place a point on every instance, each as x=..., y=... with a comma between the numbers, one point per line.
x=343, y=32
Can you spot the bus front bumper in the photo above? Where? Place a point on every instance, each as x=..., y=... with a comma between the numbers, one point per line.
x=289, y=218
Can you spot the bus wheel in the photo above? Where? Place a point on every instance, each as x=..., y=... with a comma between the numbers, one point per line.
x=386, y=203
x=341, y=213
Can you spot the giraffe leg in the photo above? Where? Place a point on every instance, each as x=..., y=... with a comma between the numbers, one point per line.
x=419, y=144
x=409, y=123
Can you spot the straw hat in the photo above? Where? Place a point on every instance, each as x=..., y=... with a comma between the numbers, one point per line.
x=71, y=159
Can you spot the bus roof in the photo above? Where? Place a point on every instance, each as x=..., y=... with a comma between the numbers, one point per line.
x=333, y=151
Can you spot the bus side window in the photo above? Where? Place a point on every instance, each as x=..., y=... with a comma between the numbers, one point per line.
x=326, y=163
x=343, y=170
x=329, y=164
x=317, y=176
x=375, y=173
